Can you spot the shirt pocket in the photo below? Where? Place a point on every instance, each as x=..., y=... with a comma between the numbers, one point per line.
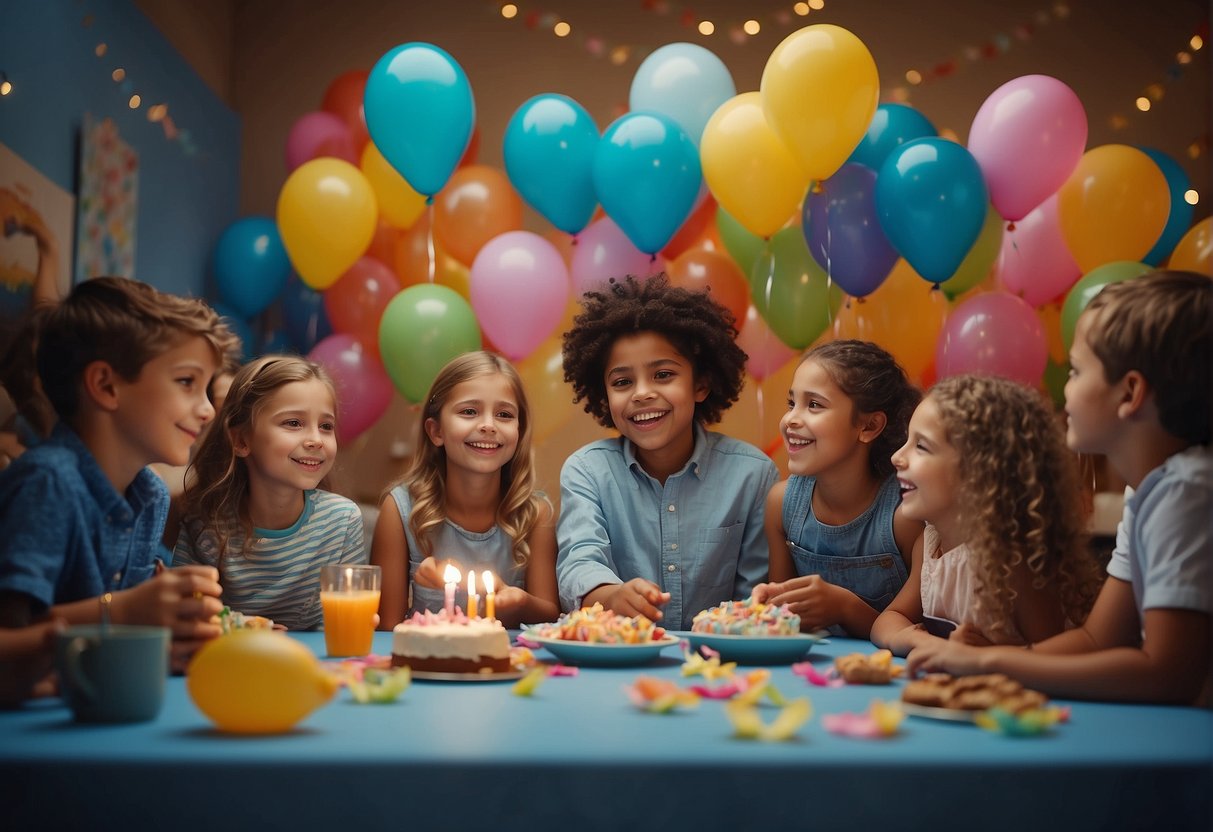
x=715, y=565
x=876, y=579
x=136, y=575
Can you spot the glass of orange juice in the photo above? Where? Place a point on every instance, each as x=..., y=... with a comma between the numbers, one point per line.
x=349, y=595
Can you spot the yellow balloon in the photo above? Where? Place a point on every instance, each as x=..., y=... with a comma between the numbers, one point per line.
x=257, y=682
x=749, y=170
x=326, y=215
x=398, y=202
x=820, y=89
x=1113, y=207
x=548, y=394
x=1195, y=251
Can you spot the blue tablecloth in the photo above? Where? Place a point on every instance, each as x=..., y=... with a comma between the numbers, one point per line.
x=578, y=755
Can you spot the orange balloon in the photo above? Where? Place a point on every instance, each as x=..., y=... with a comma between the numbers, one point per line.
x=691, y=230
x=566, y=244
x=904, y=315
x=1195, y=251
x=383, y=244
x=548, y=394
x=1114, y=206
x=699, y=270
x=469, y=155
x=344, y=98
x=412, y=261
x=477, y=204
x=1050, y=320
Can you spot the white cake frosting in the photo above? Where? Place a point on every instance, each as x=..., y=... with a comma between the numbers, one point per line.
x=430, y=636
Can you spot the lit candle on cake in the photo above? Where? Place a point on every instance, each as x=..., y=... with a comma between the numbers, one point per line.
x=473, y=598
x=451, y=576
x=490, y=597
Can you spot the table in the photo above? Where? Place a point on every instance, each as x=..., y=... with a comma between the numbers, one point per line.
x=578, y=755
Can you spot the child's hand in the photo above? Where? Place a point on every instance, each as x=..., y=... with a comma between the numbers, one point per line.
x=968, y=634
x=428, y=574
x=637, y=597
x=183, y=599
x=815, y=600
x=510, y=598
x=763, y=593
x=26, y=658
x=943, y=655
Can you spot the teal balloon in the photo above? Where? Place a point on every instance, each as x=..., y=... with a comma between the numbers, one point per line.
x=420, y=113
x=791, y=291
x=250, y=265
x=1089, y=286
x=647, y=176
x=1180, y=217
x=892, y=125
x=931, y=199
x=240, y=327
x=549, y=156
x=423, y=328
x=743, y=245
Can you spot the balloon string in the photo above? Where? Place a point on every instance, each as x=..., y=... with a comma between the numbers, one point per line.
x=432, y=264
x=766, y=330
x=758, y=401
x=831, y=321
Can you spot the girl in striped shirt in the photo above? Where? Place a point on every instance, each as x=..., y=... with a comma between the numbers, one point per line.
x=256, y=509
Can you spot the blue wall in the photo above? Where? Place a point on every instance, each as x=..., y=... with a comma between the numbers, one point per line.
x=185, y=199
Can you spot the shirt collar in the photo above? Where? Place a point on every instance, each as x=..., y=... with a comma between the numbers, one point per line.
x=697, y=464
x=142, y=489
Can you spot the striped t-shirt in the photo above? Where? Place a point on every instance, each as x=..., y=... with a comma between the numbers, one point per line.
x=278, y=575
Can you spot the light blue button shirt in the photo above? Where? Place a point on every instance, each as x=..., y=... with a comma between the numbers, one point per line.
x=699, y=536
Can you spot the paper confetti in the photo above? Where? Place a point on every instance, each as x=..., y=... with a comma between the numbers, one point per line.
x=659, y=696
x=883, y=719
x=748, y=724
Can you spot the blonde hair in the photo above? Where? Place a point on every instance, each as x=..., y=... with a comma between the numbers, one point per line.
x=221, y=485
x=1019, y=492
x=518, y=511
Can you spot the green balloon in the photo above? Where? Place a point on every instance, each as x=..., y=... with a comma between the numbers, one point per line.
x=741, y=245
x=422, y=329
x=1089, y=286
x=1055, y=379
x=791, y=292
x=977, y=263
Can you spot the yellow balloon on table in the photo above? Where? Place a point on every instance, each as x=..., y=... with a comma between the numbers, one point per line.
x=1195, y=250
x=327, y=215
x=820, y=89
x=1114, y=206
x=257, y=682
x=748, y=168
x=398, y=202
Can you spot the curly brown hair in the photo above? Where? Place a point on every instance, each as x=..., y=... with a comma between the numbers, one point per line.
x=1019, y=492
x=874, y=382
x=698, y=327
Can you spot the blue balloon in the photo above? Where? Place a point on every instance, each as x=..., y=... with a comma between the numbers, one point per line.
x=892, y=126
x=647, y=175
x=303, y=316
x=685, y=82
x=549, y=156
x=420, y=113
x=931, y=199
x=844, y=233
x=238, y=325
x=1180, y=217
x=250, y=265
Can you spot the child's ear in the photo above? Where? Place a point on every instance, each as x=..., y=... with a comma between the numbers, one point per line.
x=701, y=390
x=239, y=443
x=100, y=383
x=871, y=425
x=434, y=431
x=1135, y=391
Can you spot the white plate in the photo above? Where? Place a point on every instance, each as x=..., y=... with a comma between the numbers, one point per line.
x=436, y=676
x=945, y=714
x=602, y=655
x=755, y=649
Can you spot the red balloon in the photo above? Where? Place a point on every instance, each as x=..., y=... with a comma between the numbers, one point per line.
x=355, y=303
x=700, y=269
x=343, y=98
x=469, y=155
x=692, y=229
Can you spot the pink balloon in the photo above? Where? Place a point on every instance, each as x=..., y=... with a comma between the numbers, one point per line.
x=1027, y=137
x=765, y=352
x=364, y=390
x=603, y=251
x=1034, y=262
x=520, y=288
x=319, y=134
x=993, y=333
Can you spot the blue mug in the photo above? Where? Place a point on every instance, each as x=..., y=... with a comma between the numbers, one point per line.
x=113, y=673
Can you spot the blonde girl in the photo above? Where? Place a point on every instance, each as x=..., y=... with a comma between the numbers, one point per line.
x=256, y=509
x=841, y=547
x=468, y=497
x=1004, y=556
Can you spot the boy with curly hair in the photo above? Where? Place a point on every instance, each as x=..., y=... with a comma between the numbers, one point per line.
x=666, y=519
x=1138, y=392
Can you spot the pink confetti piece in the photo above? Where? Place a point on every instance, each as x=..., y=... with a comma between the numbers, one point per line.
x=523, y=641
x=562, y=670
x=814, y=677
x=719, y=692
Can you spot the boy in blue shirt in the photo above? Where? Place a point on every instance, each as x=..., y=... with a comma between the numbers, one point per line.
x=1138, y=392
x=666, y=519
x=126, y=369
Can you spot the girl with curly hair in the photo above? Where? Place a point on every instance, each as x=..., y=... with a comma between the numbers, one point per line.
x=255, y=507
x=468, y=497
x=840, y=543
x=665, y=519
x=1004, y=553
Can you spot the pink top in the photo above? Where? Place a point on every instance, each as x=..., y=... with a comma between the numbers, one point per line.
x=949, y=590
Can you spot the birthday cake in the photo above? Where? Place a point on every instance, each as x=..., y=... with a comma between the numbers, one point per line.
x=442, y=643
x=747, y=618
